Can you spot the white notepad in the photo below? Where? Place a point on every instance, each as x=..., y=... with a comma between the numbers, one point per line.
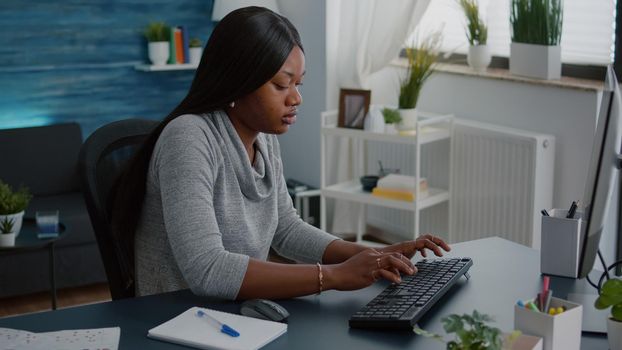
x=190, y=330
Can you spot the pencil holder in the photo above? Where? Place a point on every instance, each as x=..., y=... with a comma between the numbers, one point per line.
x=559, y=332
x=559, y=249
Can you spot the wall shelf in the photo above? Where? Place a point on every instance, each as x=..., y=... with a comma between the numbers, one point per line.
x=167, y=67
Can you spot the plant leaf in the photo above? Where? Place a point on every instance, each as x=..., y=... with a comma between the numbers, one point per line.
x=427, y=334
x=616, y=312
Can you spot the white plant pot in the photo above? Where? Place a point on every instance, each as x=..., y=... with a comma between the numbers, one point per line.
x=536, y=61
x=390, y=129
x=159, y=52
x=409, y=118
x=17, y=219
x=479, y=57
x=614, y=334
x=7, y=239
x=195, y=55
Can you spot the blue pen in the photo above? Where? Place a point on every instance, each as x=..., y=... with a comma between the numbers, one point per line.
x=520, y=303
x=219, y=325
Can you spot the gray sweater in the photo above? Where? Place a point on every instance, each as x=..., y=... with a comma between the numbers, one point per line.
x=207, y=211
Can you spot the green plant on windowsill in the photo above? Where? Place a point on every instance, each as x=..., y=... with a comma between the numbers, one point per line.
x=611, y=296
x=157, y=32
x=12, y=202
x=421, y=60
x=391, y=116
x=476, y=29
x=6, y=226
x=472, y=332
x=536, y=22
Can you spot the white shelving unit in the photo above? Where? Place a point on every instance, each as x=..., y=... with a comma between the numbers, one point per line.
x=165, y=67
x=430, y=128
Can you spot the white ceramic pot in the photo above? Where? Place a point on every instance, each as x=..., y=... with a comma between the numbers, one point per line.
x=7, y=239
x=159, y=52
x=390, y=129
x=17, y=219
x=195, y=55
x=479, y=57
x=409, y=118
x=614, y=334
x=536, y=61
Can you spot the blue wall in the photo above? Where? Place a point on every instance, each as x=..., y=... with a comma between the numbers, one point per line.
x=73, y=60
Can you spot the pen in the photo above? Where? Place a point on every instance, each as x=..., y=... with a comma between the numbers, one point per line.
x=219, y=325
x=544, y=212
x=572, y=210
x=547, y=302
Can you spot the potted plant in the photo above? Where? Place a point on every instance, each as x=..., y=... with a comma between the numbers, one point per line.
x=472, y=332
x=157, y=35
x=478, y=56
x=421, y=59
x=391, y=118
x=611, y=296
x=12, y=205
x=7, y=235
x=196, y=50
x=536, y=33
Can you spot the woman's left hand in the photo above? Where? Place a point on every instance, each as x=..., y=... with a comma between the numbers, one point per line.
x=409, y=248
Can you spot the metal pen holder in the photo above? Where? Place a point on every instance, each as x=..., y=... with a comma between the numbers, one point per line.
x=561, y=237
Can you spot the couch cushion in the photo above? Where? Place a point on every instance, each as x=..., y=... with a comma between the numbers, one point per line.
x=42, y=158
x=72, y=212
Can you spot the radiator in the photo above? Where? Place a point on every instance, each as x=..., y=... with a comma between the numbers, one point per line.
x=500, y=180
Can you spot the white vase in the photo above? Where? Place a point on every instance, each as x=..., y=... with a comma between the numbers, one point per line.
x=7, y=239
x=409, y=118
x=614, y=334
x=536, y=61
x=374, y=122
x=17, y=219
x=479, y=57
x=195, y=55
x=159, y=52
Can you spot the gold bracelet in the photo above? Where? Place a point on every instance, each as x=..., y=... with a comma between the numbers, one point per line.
x=320, y=278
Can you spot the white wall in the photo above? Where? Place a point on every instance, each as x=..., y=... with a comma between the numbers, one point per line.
x=300, y=146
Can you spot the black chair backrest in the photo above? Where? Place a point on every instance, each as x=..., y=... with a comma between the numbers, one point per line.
x=102, y=157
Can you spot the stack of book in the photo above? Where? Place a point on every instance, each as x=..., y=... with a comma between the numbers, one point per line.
x=400, y=187
x=179, y=45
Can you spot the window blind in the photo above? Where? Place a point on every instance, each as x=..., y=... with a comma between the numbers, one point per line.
x=588, y=30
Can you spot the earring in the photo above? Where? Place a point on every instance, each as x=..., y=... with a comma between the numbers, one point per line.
x=232, y=104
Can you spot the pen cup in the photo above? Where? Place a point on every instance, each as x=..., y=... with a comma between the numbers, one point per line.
x=560, y=242
x=559, y=332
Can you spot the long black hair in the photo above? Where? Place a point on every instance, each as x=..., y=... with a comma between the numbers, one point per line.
x=246, y=49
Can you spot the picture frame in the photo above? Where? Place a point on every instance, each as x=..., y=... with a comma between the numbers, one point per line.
x=353, y=108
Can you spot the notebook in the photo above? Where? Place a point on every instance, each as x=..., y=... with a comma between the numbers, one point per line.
x=190, y=330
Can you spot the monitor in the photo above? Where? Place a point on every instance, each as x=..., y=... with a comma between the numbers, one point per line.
x=603, y=174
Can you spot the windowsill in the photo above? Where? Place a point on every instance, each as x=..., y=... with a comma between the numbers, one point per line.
x=504, y=74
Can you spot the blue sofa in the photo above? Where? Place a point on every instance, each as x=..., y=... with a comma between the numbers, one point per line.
x=45, y=160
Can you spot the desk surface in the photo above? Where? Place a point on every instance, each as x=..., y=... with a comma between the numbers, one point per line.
x=503, y=272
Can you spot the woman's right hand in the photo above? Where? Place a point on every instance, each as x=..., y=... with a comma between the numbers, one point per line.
x=366, y=267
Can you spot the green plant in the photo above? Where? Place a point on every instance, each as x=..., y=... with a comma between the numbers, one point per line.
x=157, y=31
x=421, y=59
x=6, y=225
x=476, y=29
x=391, y=116
x=13, y=202
x=536, y=21
x=472, y=332
x=195, y=42
x=611, y=295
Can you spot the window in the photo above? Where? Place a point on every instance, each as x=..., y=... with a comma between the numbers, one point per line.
x=588, y=33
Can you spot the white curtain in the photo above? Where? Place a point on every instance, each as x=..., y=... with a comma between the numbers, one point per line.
x=362, y=37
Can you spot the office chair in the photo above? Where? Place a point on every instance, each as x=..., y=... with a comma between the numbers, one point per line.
x=101, y=159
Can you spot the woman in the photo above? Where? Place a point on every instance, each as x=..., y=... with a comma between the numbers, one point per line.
x=209, y=185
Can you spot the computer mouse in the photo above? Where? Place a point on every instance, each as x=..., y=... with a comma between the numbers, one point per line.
x=264, y=309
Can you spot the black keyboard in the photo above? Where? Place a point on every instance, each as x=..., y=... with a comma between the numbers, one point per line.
x=400, y=306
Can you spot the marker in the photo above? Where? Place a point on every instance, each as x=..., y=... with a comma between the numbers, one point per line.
x=572, y=210
x=532, y=306
x=544, y=212
x=520, y=303
x=219, y=325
